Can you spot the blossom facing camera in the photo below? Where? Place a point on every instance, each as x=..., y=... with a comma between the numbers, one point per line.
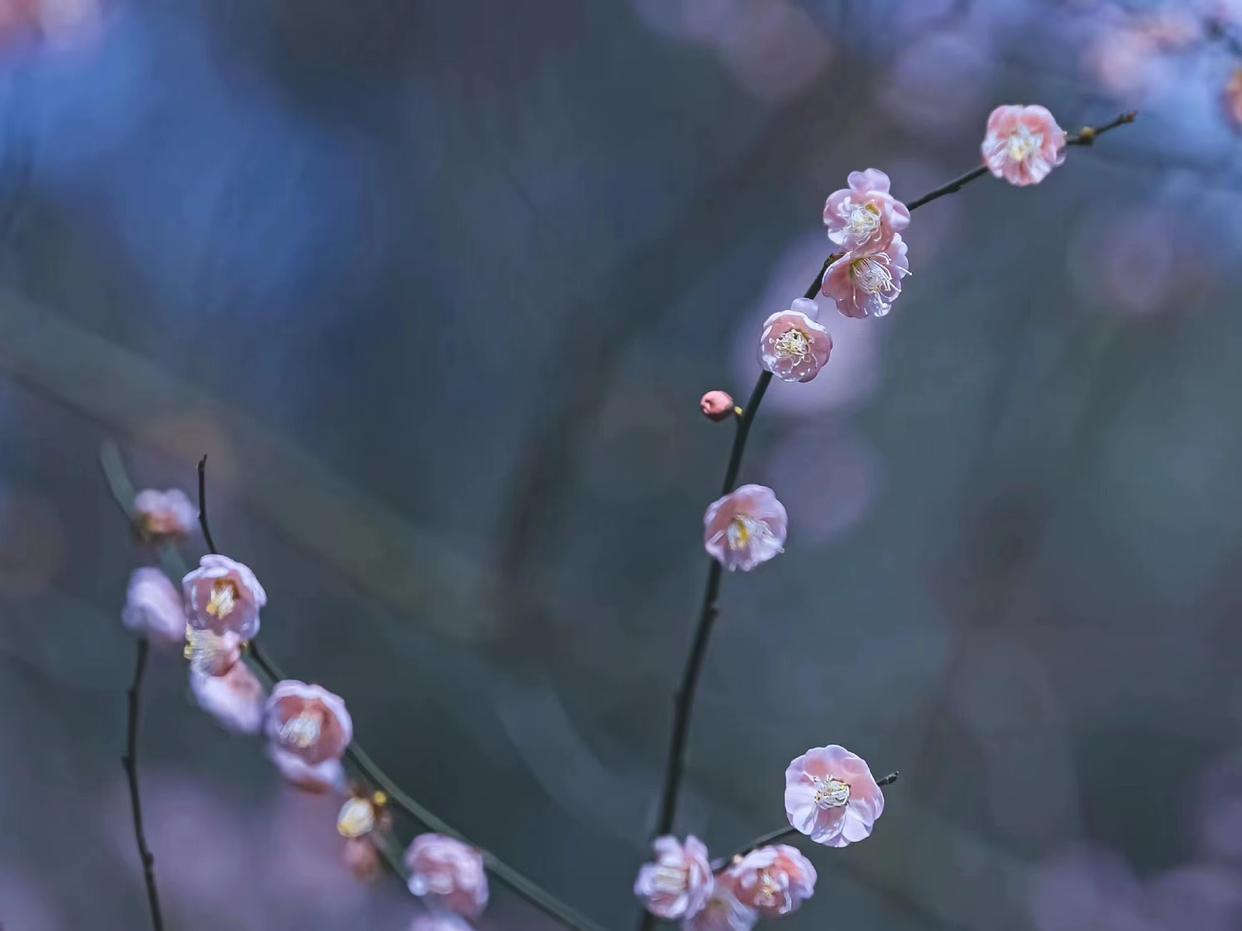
x=1023, y=144
x=716, y=405
x=308, y=729
x=678, y=883
x=447, y=874
x=867, y=285
x=745, y=528
x=864, y=217
x=774, y=881
x=223, y=596
x=723, y=911
x=235, y=699
x=153, y=607
x=831, y=796
x=164, y=513
x=794, y=347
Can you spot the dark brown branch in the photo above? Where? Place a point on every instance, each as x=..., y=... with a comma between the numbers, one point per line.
x=367, y=767
x=130, y=762
x=684, y=698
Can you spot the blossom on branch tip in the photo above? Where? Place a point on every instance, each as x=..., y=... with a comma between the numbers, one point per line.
x=831, y=796
x=164, y=513
x=867, y=285
x=716, y=405
x=223, y=596
x=1023, y=144
x=153, y=607
x=447, y=874
x=745, y=528
x=723, y=911
x=774, y=881
x=308, y=729
x=794, y=347
x=678, y=883
x=235, y=699
x=864, y=217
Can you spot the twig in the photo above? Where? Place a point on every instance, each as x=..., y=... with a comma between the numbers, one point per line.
x=130, y=762
x=684, y=698
x=202, y=505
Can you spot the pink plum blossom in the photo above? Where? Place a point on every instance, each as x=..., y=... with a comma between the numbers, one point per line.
x=678, y=883
x=308, y=730
x=153, y=607
x=235, y=699
x=716, y=405
x=211, y=654
x=745, y=528
x=447, y=874
x=774, y=881
x=867, y=285
x=1023, y=144
x=723, y=911
x=164, y=513
x=831, y=796
x=864, y=217
x=223, y=596
x=794, y=347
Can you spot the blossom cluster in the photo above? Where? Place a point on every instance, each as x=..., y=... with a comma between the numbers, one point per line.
x=308, y=729
x=830, y=796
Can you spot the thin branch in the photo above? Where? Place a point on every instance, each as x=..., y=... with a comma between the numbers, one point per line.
x=130, y=762
x=364, y=764
x=684, y=698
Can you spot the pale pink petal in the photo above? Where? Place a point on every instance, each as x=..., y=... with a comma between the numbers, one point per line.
x=235, y=699
x=447, y=874
x=153, y=607
x=745, y=527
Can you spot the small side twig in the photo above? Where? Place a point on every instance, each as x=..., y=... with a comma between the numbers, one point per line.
x=130, y=762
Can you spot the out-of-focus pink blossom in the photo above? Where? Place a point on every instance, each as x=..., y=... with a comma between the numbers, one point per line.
x=362, y=858
x=794, y=347
x=831, y=796
x=678, y=883
x=723, y=911
x=745, y=528
x=153, y=607
x=211, y=654
x=1089, y=889
x=1232, y=99
x=440, y=921
x=223, y=596
x=864, y=217
x=1023, y=144
x=356, y=818
x=308, y=730
x=447, y=874
x=774, y=881
x=867, y=286
x=716, y=405
x=235, y=699
x=164, y=513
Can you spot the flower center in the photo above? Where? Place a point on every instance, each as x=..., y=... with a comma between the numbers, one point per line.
x=864, y=221
x=743, y=529
x=223, y=598
x=1023, y=144
x=771, y=892
x=872, y=276
x=830, y=792
x=671, y=879
x=793, y=344
x=302, y=730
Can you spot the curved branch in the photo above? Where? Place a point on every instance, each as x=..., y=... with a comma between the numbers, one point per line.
x=130, y=762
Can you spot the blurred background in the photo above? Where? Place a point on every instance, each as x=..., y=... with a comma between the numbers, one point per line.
x=437, y=286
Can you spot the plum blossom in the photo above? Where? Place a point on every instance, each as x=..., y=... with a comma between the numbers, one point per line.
x=864, y=217
x=223, y=596
x=678, y=883
x=794, y=347
x=831, y=796
x=308, y=730
x=867, y=285
x=211, y=654
x=745, y=528
x=447, y=874
x=356, y=818
x=235, y=699
x=1023, y=144
x=716, y=405
x=774, y=881
x=164, y=513
x=723, y=912
x=153, y=607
